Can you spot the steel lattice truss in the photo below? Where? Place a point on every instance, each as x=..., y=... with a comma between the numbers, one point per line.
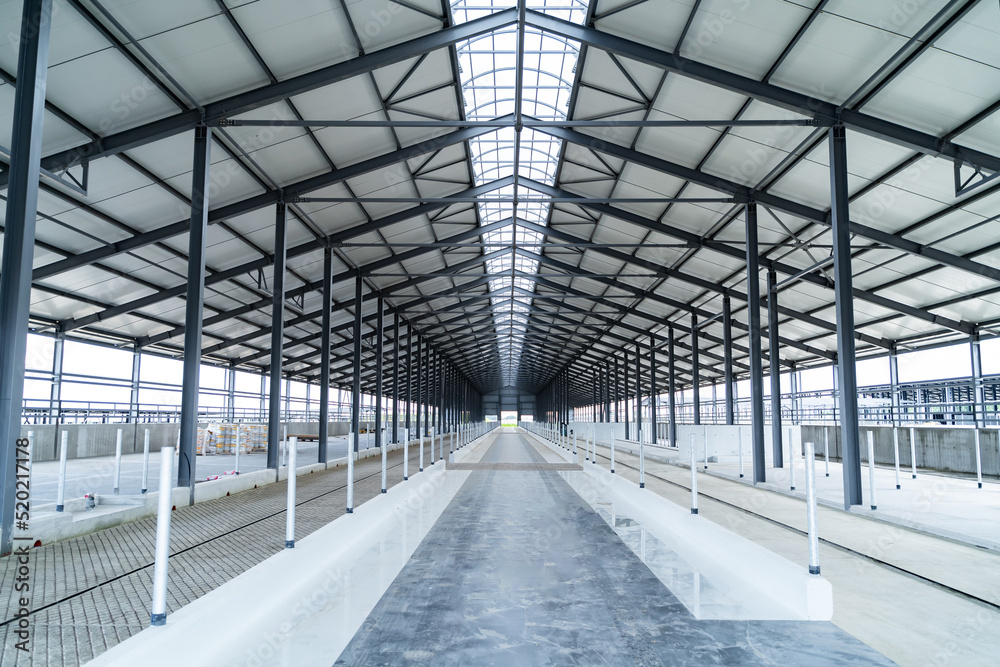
x=531, y=188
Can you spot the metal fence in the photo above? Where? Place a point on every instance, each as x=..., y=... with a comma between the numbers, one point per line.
x=945, y=402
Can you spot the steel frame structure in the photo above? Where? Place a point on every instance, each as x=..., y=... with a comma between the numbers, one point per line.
x=574, y=319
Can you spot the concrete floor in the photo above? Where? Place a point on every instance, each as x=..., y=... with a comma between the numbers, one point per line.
x=520, y=570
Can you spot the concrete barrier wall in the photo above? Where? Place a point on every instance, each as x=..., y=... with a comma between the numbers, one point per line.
x=948, y=449
x=88, y=440
x=723, y=441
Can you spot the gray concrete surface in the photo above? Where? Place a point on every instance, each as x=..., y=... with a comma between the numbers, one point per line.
x=519, y=570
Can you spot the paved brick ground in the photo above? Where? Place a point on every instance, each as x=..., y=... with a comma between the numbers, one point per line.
x=110, y=573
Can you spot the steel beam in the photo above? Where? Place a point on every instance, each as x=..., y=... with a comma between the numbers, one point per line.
x=826, y=112
x=850, y=437
x=18, y=247
x=264, y=200
x=743, y=193
x=275, y=92
x=193, y=308
x=266, y=122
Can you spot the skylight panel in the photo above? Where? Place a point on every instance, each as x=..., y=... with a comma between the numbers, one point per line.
x=489, y=88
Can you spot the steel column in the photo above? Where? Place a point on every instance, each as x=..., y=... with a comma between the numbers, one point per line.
x=894, y=384
x=133, y=408
x=425, y=379
x=395, y=377
x=775, y=368
x=19, y=242
x=978, y=395
x=756, y=363
x=850, y=438
x=419, y=380
x=671, y=388
x=653, y=395
x=625, y=390
x=379, y=360
x=324, y=372
x=695, y=371
x=727, y=364
x=409, y=381
x=200, y=182
x=616, y=390
x=356, y=382
x=55, y=392
x=441, y=420
x=277, y=335
x=638, y=391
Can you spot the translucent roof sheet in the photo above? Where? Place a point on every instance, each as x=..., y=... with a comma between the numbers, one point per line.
x=490, y=85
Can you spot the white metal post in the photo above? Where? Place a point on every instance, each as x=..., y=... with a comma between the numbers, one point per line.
x=871, y=468
x=704, y=435
x=421, y=439
x=61, y=495
x=913, y=452
x=145, y=462
x=158, y=616
x=293, y=446
x=979, y=459
x=895, y=452
x=385, y=461
x=284, y=444
x=406, y=454
x=791, y=461
x=642, y=463
x=694, y=479
x=118, y=461
x=811, y=509
x=739, y=444
x=350, y=472
x=237, y=470
x=826, y=449
x=612, y=450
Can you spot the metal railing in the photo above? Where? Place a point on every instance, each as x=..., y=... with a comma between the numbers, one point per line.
x=944, y=402
x=39, y=412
